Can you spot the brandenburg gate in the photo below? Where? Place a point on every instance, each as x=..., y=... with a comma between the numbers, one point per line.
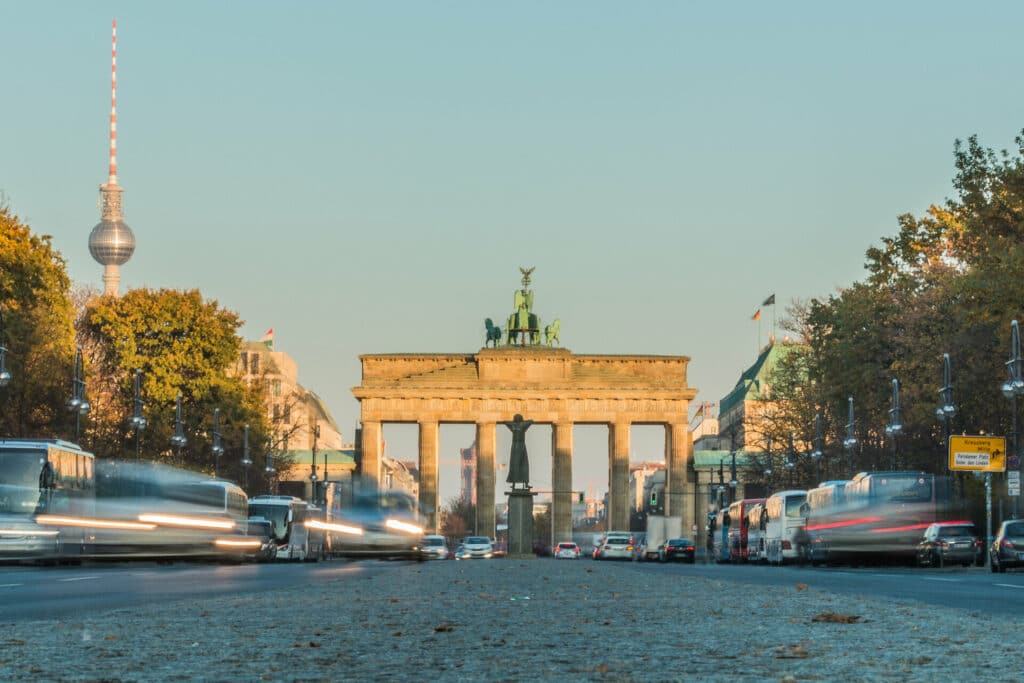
x=544, y=384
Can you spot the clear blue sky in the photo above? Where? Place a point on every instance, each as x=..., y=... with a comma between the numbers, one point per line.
x=367, y=178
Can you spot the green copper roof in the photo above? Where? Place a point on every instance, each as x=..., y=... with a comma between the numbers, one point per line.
x=334, y=457
x=748, y=388
x=705, y=459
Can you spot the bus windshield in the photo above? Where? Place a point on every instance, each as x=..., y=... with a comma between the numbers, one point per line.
x=794, y=505
x=19, y=480
x=277, y=515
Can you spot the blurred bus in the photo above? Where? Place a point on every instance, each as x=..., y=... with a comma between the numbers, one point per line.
x=756, y=519
x=784, y=525
x=879, y=517
x=288, y=516
x=46, y=487
x=737, y=534
x=822, y=504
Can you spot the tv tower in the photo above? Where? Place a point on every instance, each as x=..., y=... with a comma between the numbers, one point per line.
x=112, y=242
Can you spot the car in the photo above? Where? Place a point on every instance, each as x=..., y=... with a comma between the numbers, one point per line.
x=954, y=542
x=476, y=548
x=567, y=550
x=617, y=545
x=383, y=525
x=1007, y=548
x=677, y=549
x=261, y=529
x=435, y=548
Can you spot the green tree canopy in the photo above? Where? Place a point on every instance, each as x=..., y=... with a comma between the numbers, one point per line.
x=38, y=331
x=181, y=343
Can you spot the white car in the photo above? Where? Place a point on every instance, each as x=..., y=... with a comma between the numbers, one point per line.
x=567, y=550
x=617, y=545
x=435, y=548
x=476, y=548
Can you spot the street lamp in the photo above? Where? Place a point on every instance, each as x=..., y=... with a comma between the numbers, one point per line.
x=246, y=460
x=895, y=426
x=217, y=449
x=5, y=376
x=178, y=439
x=818, y=453
x=268, y=466
x=945, y=412
x=137, y=421
x=790, y=461
x=768, y=458
x=78, y=404
x=1012, y=388
x=850, y=442
x=312, y=475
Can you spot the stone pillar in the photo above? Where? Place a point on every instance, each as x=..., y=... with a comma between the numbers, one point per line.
x=429, y=474
x=618, y=476
x=678, y=463
x=561, y=482
x=486, y=446
x=369, y=467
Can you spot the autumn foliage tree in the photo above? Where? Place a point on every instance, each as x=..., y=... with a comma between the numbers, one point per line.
x=181, y=343
x=38, y=332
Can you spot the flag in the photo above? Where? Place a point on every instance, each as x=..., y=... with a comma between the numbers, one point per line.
x=757, y=315
x=268, y=338
x=770, y=301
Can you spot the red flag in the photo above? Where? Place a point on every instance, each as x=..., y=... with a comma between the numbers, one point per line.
x=757, y=315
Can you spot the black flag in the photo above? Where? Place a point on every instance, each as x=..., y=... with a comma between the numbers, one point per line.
x=770, y=301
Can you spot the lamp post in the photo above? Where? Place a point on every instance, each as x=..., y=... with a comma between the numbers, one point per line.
x=178, y=439
x=246, y=460
x=818, y=453
x=137, y=421
x=78, y=404
x=721, y=483
x=850, y=442
x=945, y=412
x=1012, y=388
x=217, y=449
x=790, y=461
x=768, y=461
x=312, y=460
x=895, y=426
x=268, y=467
x=5, y=376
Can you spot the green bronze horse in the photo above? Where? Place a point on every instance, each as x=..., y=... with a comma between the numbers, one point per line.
x=551, y=333
x=493, y=333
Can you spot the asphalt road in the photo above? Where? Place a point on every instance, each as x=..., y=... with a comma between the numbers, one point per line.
x=56, y=592
x=975, y=589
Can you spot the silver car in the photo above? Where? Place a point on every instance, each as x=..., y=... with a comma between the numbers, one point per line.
x=476, y=548
x=435, y=548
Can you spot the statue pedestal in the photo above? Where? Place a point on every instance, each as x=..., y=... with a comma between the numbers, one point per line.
x=520, y=524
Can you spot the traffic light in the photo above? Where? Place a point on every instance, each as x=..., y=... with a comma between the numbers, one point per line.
x=654, y=499
x=581, y=497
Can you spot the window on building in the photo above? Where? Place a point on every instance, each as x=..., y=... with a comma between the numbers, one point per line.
x=288, y=413
x=254, y=364
x=277, y=413
x=275, y=388
x=245, y=363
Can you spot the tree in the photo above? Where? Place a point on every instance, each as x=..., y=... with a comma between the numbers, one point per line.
x=181, y=343
x=458, y=518
x=38, y=332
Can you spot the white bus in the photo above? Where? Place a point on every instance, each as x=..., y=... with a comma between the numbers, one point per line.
x=756, y=519
x=47, y=491
x=287, y=516
x=786, y=514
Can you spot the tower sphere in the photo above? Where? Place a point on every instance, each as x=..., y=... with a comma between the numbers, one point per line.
x=111, y=243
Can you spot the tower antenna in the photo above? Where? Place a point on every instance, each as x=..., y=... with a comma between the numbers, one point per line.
x=112, y=180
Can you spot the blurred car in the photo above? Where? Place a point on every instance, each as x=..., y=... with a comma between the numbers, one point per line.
x=567, y=550
x=950, y=543
x=262, y=529
x=617, y=545
x=435, y=548
x=384, y=525
x=677, y=550
x=1008, y=547
x=476, y=548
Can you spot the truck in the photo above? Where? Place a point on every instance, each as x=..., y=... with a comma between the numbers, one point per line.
x=659, y=530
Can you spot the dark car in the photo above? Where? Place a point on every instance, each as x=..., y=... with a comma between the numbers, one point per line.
x=950, y=543
x=1008, y=547
x=677, y=550
x=260, y=529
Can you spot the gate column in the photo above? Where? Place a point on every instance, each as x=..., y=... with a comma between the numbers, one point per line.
x=486, y=446
x=561, y=482
x=678, y=457
x=618, y=476
x=369, y=465
x=429, y=474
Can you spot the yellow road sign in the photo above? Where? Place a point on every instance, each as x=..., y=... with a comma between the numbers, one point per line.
x=977, y=453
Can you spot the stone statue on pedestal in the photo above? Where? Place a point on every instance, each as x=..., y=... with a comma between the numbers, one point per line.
x=519, y=461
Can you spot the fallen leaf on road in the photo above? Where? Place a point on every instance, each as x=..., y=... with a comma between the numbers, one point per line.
x=484, y=595
x=801, y=586
x=602, y=669
x=397, y=633
x=444, y=628
x=794, y=652
x=393, y=600
x=110, y=638
x=837, y=618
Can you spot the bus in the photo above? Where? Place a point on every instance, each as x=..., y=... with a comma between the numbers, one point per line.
x=784, y=521
x=737, y=535
x=287, y=516
x=47, y=489
x=755, y=533
x=881, y=517
x=822, y=502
